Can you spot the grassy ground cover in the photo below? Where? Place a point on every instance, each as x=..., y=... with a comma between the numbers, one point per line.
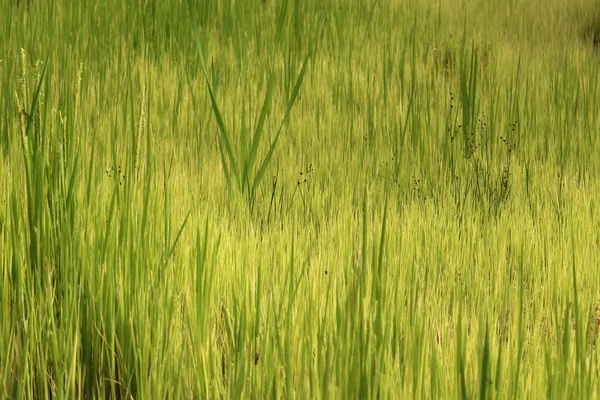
x=299, y=199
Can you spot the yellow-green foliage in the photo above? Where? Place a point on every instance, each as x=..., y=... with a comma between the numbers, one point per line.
x=424, y=225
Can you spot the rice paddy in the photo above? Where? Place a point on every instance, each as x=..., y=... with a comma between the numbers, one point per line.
x=299, y=199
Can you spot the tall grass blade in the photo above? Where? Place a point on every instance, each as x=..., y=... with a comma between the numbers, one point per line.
x=290, y=104
x=258, y=131
x=224, y=135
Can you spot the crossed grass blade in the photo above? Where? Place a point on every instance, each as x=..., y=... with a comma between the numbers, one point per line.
x=228, y=159
x=258, y=132
x=290, y=105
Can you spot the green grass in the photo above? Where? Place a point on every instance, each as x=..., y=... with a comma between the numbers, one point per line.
x=299, y=199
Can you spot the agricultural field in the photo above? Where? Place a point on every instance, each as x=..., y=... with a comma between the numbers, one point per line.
x=299, y=199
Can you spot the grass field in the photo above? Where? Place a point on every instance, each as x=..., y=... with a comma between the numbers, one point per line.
x=299, y=199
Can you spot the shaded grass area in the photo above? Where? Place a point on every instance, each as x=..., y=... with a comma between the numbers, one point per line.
x=299, y=200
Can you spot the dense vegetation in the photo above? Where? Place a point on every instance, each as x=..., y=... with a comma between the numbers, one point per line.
x=299, y=199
